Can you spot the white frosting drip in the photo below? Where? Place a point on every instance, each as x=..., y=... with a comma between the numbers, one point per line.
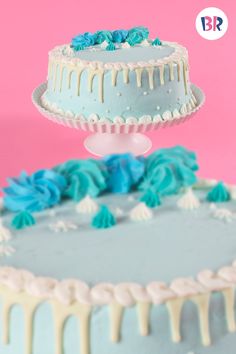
x=140, y=213
x=189, y=201
x=86, y=206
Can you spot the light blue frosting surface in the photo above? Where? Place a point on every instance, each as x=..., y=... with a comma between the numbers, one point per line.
x=131, y=251
x=137, y=53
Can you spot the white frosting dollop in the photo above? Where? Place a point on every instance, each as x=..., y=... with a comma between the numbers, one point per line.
x=86, y=206
x=6, y=250
x=223, y=214
x=41, y=287
x=103, y=293
x=140, y=213
x=62, y=226
x=186, y=287
x=212, y=281
x=5, y=233
x=228, y=273
x=159, y=292
x=188, y=201
x=232, y=191
x=71, y=290
x=127, y=294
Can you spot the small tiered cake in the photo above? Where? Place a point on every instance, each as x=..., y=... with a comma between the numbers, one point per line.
x=121, y=76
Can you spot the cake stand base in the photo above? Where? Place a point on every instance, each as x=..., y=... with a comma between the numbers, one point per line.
x=101, y=144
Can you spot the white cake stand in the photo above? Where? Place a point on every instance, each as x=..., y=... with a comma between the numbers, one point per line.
x=107, y=137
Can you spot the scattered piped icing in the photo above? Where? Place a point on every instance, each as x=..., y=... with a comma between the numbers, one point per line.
x=151, y=199
x=22, y=220
x=104, y=219
x=219, y=193
x=133, y=36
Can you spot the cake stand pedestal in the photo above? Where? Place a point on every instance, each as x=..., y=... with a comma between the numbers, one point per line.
x=101, y=144
x=109, y=138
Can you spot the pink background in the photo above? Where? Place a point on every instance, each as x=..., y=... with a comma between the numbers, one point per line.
x=30, y=28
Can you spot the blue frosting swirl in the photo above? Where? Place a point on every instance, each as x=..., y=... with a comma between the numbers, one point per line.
x=83, y=177
x=167, y=170
x=83, y=40
x=136, y=35
x=102, y=36
x=125, y=171
x=119, y=36
x=41, y=190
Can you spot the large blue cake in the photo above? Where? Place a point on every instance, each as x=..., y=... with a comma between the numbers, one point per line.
x=119, y=77
x=117, y=256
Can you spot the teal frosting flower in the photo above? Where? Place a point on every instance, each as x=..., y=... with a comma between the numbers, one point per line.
x=41, y=190
x=151, y=199
x=83, y=40
x=83, y=177
x=104, y=219
x=167, y=170
x=125, y=171
x=110, y=47
x=22, y=220
x=136, y=35
x=119, y=36
x=102, y=36
x=219, y=193
x=156, y=42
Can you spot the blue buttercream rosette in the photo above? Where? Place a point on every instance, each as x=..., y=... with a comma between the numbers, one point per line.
x=125, y=171
x=167, y=170
x=83, y=177
x=35, y=192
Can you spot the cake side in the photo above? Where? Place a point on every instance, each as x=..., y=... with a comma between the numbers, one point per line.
x=140, y=83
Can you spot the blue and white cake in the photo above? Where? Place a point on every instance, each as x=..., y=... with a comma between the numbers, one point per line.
x=119, y=77
x=117, y=256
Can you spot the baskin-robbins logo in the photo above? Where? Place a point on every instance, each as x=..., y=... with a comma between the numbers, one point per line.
x=211, y=23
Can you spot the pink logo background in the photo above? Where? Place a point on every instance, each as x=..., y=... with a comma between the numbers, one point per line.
x=30, y=28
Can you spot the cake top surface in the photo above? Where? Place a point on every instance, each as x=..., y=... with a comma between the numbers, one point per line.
x=137, y=53
x=131, y=220
x=132, y=46
x=173, y=243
